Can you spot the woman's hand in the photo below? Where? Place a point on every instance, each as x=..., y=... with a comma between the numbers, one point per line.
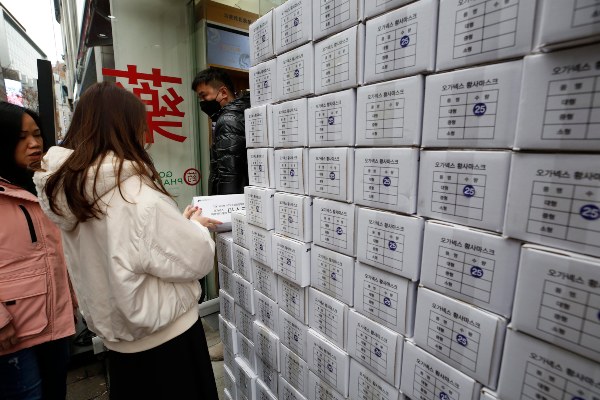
x=189, y=210
x=210, y=223
x=8, y=337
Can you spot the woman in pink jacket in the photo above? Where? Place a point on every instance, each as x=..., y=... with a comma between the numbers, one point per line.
x=36, y=307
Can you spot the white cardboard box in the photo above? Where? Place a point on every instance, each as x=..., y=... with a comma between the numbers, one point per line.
x=261, y=167
x=293, y=299
x=471, y=265
x=566, y=20
x=376, y=347
x=534, y=369
x=227, y=395
x=330, y=171
x=290, y=123
x=261, y=39
x=402, y=42
x=333, y=225
x=373, y=8
x=321, y=390
x=245, y=379
x=476, y=32
x=291, y=172
x=243, y=293
x=365, y=385
x=244, y=321
x=425, y=377
x=291, y=259
x=331, y=119
x=228, y=358
x=263, y=392
x=259, y=207
x=558, y=299
x=260, y=244
x=265, y=280
x=227, y=332
x=259, y=129
x=293, y=24
x=267, y=311
x=468, y=338
x=292, y=333
x=387, y=178
x=263, y=83
x=333, y=274
x=224, y=249
x=393, y=242
x=241, y=262
x=220, y=208
x=294, y=369
x=385, y=298
x=328, y=362
x=226, y=306
x=226, y=279
x=473, y=108
x=229, y=381
x=390, y=113
x=330, y=17
x=268, y=375
x=293, y=216
x=239, y=228
x=554, y=200
x=466, y=187
x=295, y=71
x=558, y=96
x=287, y=391
x=488, y=394
x=246, y=350
x=266, y=345
x=328, y=316
x=339, y=60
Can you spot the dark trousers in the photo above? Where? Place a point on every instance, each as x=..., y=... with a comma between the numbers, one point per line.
x=178, y=369
x=38, y=372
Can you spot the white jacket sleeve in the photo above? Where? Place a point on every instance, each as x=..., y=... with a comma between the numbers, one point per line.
x=172, y=247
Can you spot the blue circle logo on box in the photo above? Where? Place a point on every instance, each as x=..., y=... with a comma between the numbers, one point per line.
x=591, y=212
x=476, y=272
x=404, y=41
x=469, y=191
x=479, y=109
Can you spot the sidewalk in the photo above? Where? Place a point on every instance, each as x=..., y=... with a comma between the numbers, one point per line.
x=86, y=380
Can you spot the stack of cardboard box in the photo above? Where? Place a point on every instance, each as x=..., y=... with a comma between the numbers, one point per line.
x=424, y=213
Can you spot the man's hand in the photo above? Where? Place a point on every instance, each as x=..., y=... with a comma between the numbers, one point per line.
x=210, y=223
x=8, y=337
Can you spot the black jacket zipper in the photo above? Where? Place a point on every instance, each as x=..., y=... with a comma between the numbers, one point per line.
x=29, y=223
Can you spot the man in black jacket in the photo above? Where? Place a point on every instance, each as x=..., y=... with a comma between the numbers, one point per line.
x=228, y=162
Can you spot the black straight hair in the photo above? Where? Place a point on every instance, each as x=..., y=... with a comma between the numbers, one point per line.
x=11, y=123
x=215, y=77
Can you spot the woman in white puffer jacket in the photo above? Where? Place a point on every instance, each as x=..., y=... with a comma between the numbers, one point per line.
x=134, y=259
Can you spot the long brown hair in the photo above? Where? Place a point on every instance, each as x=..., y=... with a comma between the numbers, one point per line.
x=106, y=119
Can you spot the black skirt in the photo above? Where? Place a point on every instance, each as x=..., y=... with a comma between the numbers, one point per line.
x=178, y=369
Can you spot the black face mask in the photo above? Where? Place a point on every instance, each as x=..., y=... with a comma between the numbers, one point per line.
x=210, y=107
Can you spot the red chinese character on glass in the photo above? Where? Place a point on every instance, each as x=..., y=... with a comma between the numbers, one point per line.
x=157, y=110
